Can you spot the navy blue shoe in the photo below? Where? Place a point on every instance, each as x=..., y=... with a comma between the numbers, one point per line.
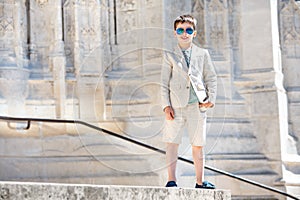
x=171, y=184
x=206, y=185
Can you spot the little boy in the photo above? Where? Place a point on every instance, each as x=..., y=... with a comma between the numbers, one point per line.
x=189, y=84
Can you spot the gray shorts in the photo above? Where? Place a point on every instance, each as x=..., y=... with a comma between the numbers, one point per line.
x=190, y=118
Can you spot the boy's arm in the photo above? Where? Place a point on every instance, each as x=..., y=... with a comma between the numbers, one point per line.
x=166, y=74
x=210, y=78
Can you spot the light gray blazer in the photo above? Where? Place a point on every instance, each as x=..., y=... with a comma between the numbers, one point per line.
x=176, y=77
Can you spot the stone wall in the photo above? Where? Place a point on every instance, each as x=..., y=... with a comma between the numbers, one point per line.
x=289, y=12
x=100, y=61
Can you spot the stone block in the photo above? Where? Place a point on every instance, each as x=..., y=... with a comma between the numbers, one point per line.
x=40, y=89
x=224, y=90
x=227, y=110
x=265, y=104
x=40, y=108
x=35, y=191
x=266, y=139
x=234, y=128
x=291, y=72
x=293, y=95
x=224, y=145
x=256, y=53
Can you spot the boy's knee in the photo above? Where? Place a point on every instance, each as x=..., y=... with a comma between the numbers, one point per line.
x=199, y=148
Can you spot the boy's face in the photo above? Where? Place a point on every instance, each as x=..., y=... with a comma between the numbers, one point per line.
x=186, y=37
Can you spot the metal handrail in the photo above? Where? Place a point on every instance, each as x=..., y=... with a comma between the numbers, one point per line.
x=29, y=120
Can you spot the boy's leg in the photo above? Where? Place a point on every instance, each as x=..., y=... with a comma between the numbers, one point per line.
x=196, y=124
x=198, y=163
x=171, y=158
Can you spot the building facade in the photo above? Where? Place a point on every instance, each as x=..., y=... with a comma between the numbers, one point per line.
x=100, y=61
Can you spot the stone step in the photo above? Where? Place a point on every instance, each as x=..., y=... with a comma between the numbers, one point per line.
x=36, y=191
x=93, y=157
x=231, y=144
x=224, y=145
x=86, y=144
x=253, y=167
x=122, y=111
x=84, y=166
x=124, y=73
x=95, y=169
x=122, y=179
x=237, y=127
x=126, y=100
x=238, y=188
x=130, y=88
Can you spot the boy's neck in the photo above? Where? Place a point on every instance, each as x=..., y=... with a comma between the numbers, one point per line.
x=185, y=46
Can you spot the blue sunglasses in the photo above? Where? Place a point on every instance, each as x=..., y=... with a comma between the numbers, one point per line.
x=180, y=31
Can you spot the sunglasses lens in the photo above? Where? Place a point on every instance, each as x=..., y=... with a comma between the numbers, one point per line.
x=179, y=31
x=189, y=31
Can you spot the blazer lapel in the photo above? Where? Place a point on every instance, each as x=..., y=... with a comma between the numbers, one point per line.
x=193, y=56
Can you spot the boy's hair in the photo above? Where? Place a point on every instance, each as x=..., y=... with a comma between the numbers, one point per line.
x=185, y=18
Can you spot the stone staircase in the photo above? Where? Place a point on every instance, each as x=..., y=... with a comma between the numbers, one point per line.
x=45, y=155
x=80, y=156
x=37, y=191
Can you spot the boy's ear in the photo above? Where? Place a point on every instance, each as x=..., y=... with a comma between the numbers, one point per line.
x=195, y=34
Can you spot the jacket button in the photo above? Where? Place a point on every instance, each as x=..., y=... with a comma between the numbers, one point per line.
x=187, y=87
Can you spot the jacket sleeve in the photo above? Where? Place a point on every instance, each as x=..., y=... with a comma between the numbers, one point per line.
x=210, y=78
x=166, y=74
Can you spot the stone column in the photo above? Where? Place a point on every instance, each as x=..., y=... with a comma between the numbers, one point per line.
x=47, y=55
x=83, y=36
x=261, y=81
x=76, y=50
x=57, y=61
x=13, y=72
x=40, y=37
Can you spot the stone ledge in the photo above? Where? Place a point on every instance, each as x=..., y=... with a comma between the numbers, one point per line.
x=36, y=191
